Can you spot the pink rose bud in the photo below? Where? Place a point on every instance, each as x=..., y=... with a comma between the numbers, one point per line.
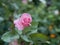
x=24, y=1
x=23, y=21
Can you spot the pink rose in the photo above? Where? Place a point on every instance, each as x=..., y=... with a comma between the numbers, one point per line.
x=24, y=1
x=23, y=21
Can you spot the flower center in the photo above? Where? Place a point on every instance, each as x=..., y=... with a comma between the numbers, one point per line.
x=26, y=22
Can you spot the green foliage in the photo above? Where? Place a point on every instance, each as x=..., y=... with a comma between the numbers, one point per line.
x=9, y=36
x=46, y=21
x=38, y=36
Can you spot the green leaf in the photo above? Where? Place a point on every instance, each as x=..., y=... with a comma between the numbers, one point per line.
x=25, y=38
x=50, y=16
x=57, y=29
x=9, y=36
x=38, y=36
x=32, y=32
x=19, y=32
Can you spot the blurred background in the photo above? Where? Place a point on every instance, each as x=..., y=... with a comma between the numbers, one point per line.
x=46, y=19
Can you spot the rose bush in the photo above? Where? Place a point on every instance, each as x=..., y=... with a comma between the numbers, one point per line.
x=29, y=22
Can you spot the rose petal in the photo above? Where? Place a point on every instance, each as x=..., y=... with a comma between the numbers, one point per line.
x=18, y=24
